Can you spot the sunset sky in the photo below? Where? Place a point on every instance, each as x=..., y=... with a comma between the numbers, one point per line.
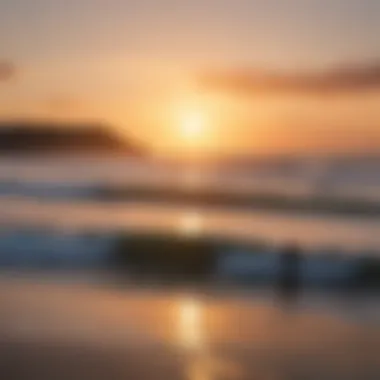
x=210, y=76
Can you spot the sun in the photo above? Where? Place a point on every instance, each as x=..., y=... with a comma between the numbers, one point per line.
x=192, y=125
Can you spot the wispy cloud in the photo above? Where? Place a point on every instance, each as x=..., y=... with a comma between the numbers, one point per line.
x=8, y=70
x=251, y=81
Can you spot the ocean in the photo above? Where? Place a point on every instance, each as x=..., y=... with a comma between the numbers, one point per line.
x=51, y=214
x=35, y=190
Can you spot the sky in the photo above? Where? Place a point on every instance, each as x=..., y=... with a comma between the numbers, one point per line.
x=204, y=76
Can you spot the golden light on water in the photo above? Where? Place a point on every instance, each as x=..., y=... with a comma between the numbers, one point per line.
x=191, y=224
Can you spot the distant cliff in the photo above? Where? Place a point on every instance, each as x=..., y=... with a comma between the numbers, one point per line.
x=44, y=137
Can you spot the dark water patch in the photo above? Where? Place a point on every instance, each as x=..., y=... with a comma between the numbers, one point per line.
x=169, y=258
x=166, y=256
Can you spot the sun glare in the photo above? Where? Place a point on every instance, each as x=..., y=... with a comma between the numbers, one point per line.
x=192, y=125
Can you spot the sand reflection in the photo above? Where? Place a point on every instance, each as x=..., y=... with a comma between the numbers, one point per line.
x=190, y=325
x=203, y=363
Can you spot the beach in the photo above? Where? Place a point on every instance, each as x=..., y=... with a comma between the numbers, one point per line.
x=67, y=329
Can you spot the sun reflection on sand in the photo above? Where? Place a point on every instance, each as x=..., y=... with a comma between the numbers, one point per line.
x=192, y=339
x=190, y=324
x=202, y=364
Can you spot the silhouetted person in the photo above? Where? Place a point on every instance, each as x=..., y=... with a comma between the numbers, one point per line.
x=289, y=280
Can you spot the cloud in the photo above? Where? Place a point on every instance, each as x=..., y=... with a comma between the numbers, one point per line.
x=250, y=82
x=8, y=70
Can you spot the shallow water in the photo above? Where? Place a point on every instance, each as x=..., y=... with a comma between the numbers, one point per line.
x=31, y=188
x=312, y=231
x=360, y=179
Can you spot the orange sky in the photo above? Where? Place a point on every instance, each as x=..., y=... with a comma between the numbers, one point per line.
x=141, y=67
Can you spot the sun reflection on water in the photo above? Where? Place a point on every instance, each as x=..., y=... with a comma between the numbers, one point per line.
x=191, y=224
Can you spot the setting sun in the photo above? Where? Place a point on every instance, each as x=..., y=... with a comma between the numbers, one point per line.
x=192, y=125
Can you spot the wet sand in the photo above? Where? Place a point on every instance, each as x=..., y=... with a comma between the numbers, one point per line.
x=55, y=330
